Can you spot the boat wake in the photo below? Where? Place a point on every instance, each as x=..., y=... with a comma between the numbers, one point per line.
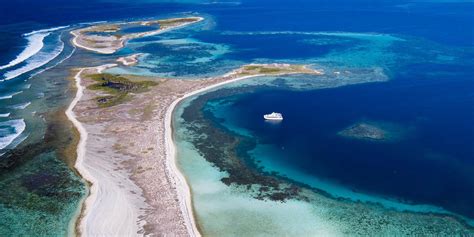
x=10, y=130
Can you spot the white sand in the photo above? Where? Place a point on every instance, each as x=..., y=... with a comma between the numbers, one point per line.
x=81, y=149
x=107, y=211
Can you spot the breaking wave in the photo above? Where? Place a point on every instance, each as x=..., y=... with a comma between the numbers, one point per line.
x=35, y=44
x=9, y=96
x=317, y=33
x=35, y=62
x=10, y=130
x=20, y=106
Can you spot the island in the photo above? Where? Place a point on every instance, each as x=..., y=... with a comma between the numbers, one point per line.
x=108, y=38
x=126, y=151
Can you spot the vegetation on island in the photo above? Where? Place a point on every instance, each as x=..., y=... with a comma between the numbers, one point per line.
x=270, y=69
x=118, y=88
x=165, y=23
x=102, y=28
x=262, y=69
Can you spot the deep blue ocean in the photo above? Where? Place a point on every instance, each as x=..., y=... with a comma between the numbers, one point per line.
x=429, y=98
x=431, y=163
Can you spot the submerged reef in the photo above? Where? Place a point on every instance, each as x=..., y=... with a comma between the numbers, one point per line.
x=38, y=186
x=373, y=131
x=227, y=155
x=364, y=131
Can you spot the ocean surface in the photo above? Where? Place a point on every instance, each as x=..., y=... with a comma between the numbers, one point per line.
x=405, y=66
x=425, y=105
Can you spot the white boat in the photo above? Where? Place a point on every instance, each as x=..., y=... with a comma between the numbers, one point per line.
x=273, y=116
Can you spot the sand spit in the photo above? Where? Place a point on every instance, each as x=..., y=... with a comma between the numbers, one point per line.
x=127, y=153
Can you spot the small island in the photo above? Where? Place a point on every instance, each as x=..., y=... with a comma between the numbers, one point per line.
x=108, y=38
x=276, y=69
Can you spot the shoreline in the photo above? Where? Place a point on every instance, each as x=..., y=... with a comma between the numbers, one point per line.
x=92, y=189
x=171, y=154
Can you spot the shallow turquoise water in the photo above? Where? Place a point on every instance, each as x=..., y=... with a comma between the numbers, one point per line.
x=41, y=194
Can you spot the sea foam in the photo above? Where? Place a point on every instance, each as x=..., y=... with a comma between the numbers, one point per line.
x=357, y=35
x=52, y=66
x=9, y=130
x=35, y=62
x=34, y=46
x=46, y=30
